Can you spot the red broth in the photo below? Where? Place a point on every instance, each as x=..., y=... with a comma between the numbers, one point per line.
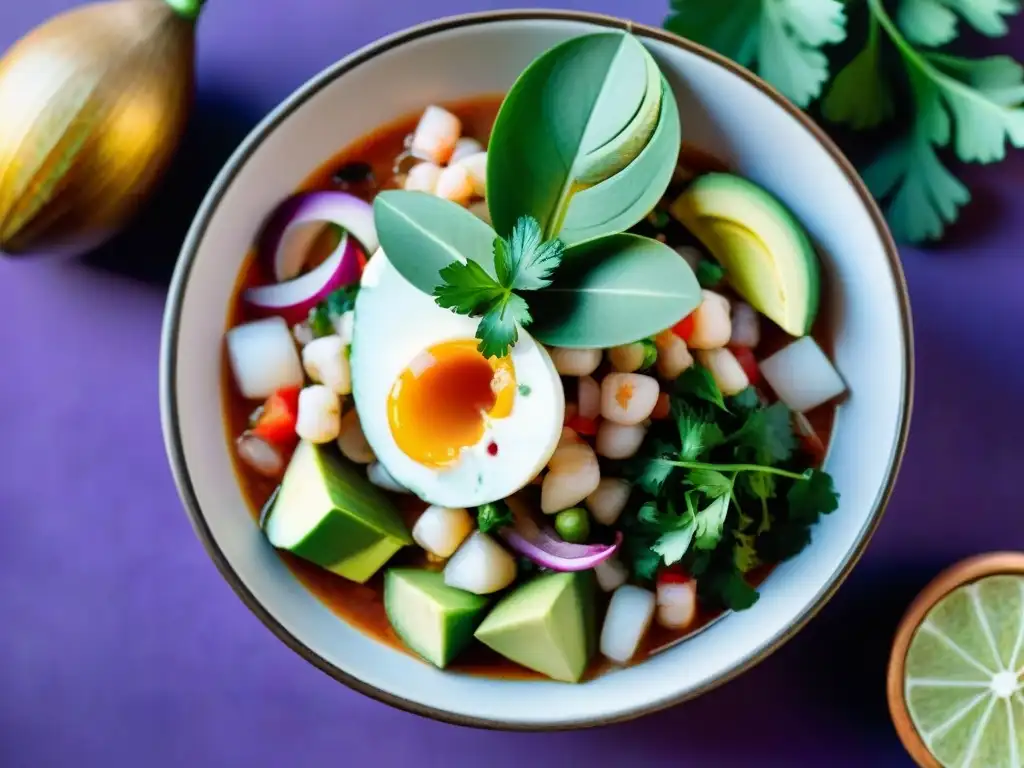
x=361, y=605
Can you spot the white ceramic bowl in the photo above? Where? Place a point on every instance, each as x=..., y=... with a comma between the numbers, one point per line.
x=725, y=110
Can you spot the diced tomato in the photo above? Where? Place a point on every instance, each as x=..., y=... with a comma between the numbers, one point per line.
x=673, y=574
x=361, y=259
x=684, y=328
x=583, y=426
x=280, y=413
x=745, y=357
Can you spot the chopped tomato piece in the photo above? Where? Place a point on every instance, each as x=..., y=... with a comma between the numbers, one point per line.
x=280, y=414
x=663, y=408
x=673, y=574
x=745, y=357
x=684, y=328
x=583, y=426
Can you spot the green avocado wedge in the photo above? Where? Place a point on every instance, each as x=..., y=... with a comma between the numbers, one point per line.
x=432, y=619
x=767, y=255
x=548, y=625
x=328, y=513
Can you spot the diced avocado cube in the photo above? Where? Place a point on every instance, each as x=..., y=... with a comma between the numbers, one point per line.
x=767, y=255
x=434, y=620
x=329, y=514
x=547, y=625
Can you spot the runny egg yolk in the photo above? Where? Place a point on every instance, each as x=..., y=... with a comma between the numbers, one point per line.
x=442, y=401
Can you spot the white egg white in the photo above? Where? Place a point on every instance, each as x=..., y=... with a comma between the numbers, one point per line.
x=394, y=322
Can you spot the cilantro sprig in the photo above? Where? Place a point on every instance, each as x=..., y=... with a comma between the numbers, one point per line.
x=522, y=262
x=895, y=75
x=722, y=489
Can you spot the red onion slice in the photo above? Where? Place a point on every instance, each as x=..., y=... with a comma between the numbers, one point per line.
x=544, y=547
x=353, y=215
x=293, y=299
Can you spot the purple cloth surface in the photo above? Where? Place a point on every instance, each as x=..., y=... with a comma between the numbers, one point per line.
x=120, y=645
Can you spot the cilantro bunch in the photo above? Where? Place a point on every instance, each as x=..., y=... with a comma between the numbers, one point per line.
x=722, y=490
x=888, y=68
x=522, y=262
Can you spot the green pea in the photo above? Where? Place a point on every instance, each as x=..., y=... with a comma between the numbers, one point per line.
x=573, y=525
x=650, y=354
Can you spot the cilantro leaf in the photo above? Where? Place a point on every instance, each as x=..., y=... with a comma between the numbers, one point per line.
x=783, y=38
x=645, y=560
x=922, y=195
x=490, y=517
x=860, y=95
x=934, y=22
x=769, y=433
x=709, y=482
x=466, y=288
x=709, y=273
x=744, y=552
x=746, y=401
x=650, y=471
x=530, y=260
x=672, y=546
x=811, y=498
x=710, y=523
x=728, y=588
x=695, y=434
x=498, y=329
x=696, y=381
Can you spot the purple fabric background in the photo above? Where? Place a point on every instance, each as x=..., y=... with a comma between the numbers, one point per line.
x=121, y=645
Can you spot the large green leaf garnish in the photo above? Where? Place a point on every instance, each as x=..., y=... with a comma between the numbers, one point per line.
x=582, y=149
x=580, y=115
x=422, y=234
x=613, y=291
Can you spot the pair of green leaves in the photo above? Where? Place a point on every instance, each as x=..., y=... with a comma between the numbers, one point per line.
x=582, y=149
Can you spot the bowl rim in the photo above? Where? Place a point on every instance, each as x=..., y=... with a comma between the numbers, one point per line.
x=172, y=314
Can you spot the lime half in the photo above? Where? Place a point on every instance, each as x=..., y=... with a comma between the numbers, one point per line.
x=963, y=675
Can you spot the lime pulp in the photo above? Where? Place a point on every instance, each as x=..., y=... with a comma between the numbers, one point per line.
x=963, y=675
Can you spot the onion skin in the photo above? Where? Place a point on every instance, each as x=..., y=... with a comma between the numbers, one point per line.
x=95, y=102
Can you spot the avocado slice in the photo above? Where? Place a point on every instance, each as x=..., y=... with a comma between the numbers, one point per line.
x=434, y=620
x=768, y=258
x=548, y=625
x=331, y=515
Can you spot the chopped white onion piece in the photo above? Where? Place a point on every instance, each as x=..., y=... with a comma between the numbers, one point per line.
x=319, y=418
x=629, y=616
x=476, y=167
x=712, y=326
x=326, y=363
x=573, y=474
x=423, y=178
x=465, y=147
x=454, y=184
x=611, y=574
x=588, y=398
x=378, y=474
x=303, y=333
x=481, y=566
x=673, y=355
x=352, y=441
x=343, y=326
x=259, y=455
x=440, y=530
x=435, y=136
x=263, y=358
x=619, y=441
x=725, y=369
x=575, y=362
x=802, y=376
x=746, y=326
x=608, y=500
x=677, y=604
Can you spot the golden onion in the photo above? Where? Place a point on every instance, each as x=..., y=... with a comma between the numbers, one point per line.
x=94, y=103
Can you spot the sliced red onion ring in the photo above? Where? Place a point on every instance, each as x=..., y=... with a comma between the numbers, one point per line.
x=293, y=299
x=544, y=547
x=350, y=213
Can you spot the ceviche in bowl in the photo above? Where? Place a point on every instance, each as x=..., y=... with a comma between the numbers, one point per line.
x=541, y=393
